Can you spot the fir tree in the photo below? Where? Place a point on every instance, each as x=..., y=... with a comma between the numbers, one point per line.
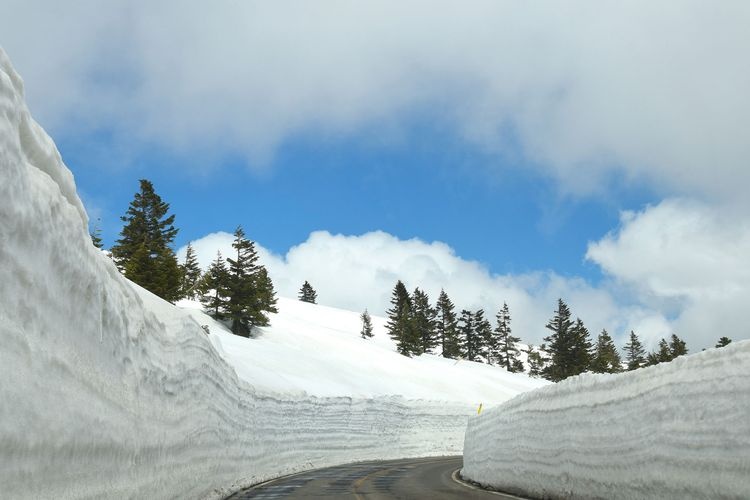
x=560, y=344
x=677, y=346
x=244, y=310
x=483, y=336
x=535, y=361
x=447, y=326
x=606, y=359
x=506, y=353
x=723, y=342
x=143, y=251
x=214, y=288
x=399, y=326
x=366, y=331
x=581, y=347
x=191, y=274
x=635, y=354
x=266, y=296
x=662, y=355
x=469, y=341
x=423, y=317
x=307, y=293
x=96, y=235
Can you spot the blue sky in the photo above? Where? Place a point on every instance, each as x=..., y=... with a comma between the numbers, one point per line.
x=595, y=151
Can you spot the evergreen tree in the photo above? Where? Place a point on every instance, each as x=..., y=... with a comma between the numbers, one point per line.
x=447, y=327
x=243, y=309
x=214, y=288
x=483, y=336
x=506, y=351
x=191, y=274
x=423, y=316
x=96, y=235
x=535, y=361
x=266, y=296
x=366, y=325
x=470, y=342
x=560, y=345
x=635, y=354
x=606, y=359
x=581, y=347
x=143, y=251
x=723, y=342
x=307, y=293
x=400, y=326
x=662, y=355
x=677, y=346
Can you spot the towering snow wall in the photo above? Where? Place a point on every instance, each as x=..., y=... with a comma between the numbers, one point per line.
x=677, y=430
x=101, y=398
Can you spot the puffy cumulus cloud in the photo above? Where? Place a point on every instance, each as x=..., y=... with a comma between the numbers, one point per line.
x=687, y=259
x=649, y=90
x=357, y=272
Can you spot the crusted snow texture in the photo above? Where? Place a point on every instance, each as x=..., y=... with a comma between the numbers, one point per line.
x=676, y=430
x=100, y=397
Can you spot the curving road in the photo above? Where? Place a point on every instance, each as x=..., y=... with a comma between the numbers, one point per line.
x=420, y=478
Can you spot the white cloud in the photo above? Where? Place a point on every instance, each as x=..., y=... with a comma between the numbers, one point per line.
x=653, y=90
x=357, y=272
x=687, y=259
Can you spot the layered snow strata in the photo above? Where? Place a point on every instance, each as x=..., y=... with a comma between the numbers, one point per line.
x=103, y=397
x=677, y=430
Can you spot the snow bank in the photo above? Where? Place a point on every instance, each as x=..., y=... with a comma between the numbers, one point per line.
x=107, y=391
x=677, y=430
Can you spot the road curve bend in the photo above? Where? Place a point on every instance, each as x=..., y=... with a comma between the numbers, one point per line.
x=432, y=478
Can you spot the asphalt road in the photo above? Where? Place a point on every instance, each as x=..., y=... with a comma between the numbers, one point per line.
x=422, y=478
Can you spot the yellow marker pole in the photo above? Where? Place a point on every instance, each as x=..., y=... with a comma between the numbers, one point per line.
x=479, y=410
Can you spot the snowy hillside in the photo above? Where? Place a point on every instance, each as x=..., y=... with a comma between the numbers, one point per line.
x=672, y=431
x=317, y=349
x=108, y=391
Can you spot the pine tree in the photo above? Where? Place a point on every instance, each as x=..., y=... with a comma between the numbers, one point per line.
x=307, y=293
x=399, y=325
x=535, y=361
x=266, y=296
x=606, y=359
x=723, y=342
x=244, y=302
x=560, y=344
x=366, y=331
x=506, y=353
x=483, y=336
x=467, y=335
x=662, y=355
x=446, y=327
x=635, y=354
x=677, y=346
x=143, y=251
x=580, y=352
x=214, y=288
x=191, y=274
x=423, y=316
x=96, y=235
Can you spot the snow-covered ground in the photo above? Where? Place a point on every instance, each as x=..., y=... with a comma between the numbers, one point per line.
x=108, y=391
x=677, y=430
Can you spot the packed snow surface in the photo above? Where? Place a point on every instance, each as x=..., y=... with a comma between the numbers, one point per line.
x=673, y=431
x=109, y=392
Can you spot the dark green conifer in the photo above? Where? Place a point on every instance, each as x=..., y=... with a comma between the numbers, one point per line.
x=307, y=293
x=723, y=342
x=400, y=326
x=423, y=317
x=482, y=336
x=96, y=235
x=635, y=354
x=214, y=288
x=606, y=359
x=191, y=274
x=559, y=345
x=581, y=347
x=535, y=361
x=366, y=331
x=446, y=327
x=506, y=352
x=467, y=335
x=244, y=301
x=146, y=236
x=677, y=346
x=266, y=296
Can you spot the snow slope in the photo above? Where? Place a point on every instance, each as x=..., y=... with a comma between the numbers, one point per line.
x=673, y=431
x=107, y=391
